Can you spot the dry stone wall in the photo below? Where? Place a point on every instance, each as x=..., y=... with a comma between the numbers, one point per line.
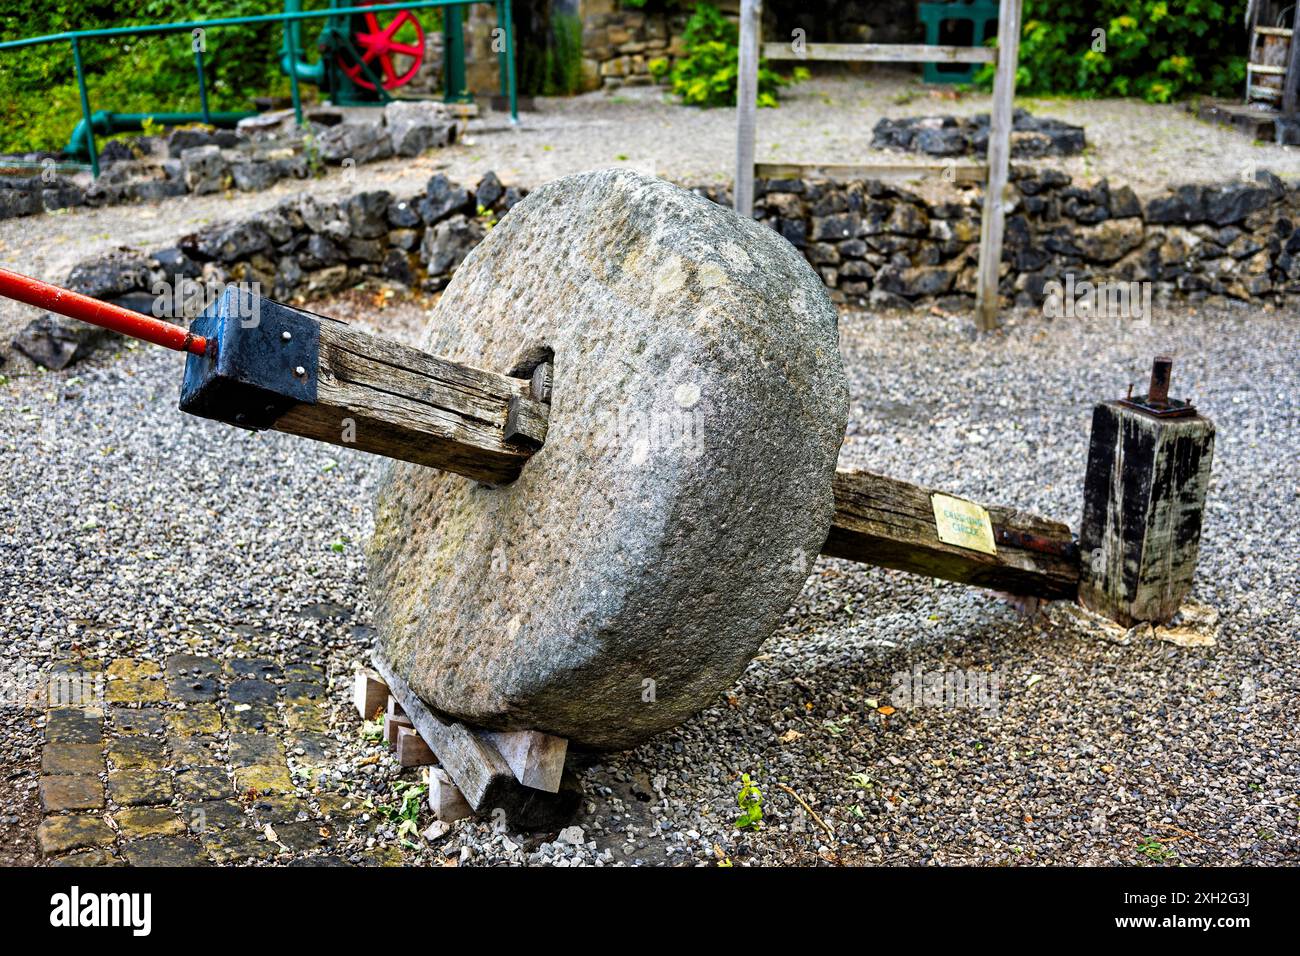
x=878, y=245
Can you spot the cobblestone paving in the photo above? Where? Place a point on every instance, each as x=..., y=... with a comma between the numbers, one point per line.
x=191, y=761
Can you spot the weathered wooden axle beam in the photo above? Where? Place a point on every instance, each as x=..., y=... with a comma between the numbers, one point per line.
x=270, y=366
x=892, y=524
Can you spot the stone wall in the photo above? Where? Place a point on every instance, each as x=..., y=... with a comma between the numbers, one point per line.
x=303, y=247
x=618, y=45
x=619, y=42
x=195, y=159
x=873, y=244
x=889, y=246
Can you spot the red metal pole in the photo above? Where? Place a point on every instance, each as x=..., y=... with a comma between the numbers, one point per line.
x=104, y=314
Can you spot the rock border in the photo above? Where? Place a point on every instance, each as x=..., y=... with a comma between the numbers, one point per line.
x=200, y=160
x=873, y=244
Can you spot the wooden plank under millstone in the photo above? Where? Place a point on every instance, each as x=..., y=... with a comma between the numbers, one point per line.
x=478, y=769
x=1144, y=500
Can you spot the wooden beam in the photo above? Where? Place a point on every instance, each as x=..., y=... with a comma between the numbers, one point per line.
x=536, y=759
x=268, y=365
x=389, y=399
x=477, y=767
x=891, y=523
x=369, y=693
x=751, y=22
x=880, y=53
x=999, y=164
x=960, y=173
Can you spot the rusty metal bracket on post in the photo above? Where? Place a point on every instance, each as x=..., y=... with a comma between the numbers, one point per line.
x=1157, y=401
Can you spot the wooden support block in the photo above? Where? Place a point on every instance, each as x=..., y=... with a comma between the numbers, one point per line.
x=1144, y=499
x=393, y=724
x=445, y=799
x=369, y=693
x=891, y=523
x=879, y=53
x=412, y=751
x=393, y=708
x=535, y=758
x=477, y=767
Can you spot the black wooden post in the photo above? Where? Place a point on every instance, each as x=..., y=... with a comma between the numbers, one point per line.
x=1144, y=497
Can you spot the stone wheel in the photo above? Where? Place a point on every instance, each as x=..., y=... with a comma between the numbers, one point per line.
x=684, y=488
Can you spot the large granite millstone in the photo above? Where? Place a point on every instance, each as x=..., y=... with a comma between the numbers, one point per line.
x=684, y=488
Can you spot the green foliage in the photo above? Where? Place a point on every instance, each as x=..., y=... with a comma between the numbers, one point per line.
x=707, y=74
x=564, y=56
x=39, y=102
x=548, y=61
x=1156, y=851
x=406, y=812
x=750, y=801
x=1159, y=50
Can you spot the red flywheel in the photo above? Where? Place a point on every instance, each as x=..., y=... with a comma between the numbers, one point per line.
x=393, y=50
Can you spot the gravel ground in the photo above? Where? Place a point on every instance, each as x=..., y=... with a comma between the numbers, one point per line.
x=823, y=120
x=127, y=529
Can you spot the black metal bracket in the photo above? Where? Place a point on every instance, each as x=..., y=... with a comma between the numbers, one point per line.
x=1172, y=408
x=262, y=359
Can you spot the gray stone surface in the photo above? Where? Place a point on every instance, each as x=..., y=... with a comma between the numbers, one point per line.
x=205, y=169
x=414, y=126
x=358, y=142
x=684, y=490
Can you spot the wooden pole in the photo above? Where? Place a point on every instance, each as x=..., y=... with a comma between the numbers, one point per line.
x=751, y=19
x=1292, y=76
x=999, y=161
x=894, y=524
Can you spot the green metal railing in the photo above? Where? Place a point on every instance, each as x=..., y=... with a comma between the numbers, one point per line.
x=287, y=18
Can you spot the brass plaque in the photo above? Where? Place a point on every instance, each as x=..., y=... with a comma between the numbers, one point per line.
x=963, y=523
